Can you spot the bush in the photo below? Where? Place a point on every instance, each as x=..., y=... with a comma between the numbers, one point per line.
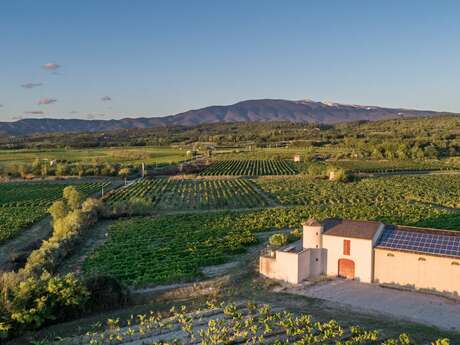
x=105, y=292
x=29, y=302
x=278, y=240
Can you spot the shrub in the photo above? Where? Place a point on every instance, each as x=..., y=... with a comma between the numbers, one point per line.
x=30, y=302
x=278, y=240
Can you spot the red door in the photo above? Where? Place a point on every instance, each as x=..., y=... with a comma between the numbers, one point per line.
x=346, y=268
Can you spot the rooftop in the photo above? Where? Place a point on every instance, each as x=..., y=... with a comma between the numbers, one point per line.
x=362, y=229
x=420, y=240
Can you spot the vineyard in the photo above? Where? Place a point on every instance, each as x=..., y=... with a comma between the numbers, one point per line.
x=250, y=168
x=385, y=166
x=232, y=323
x=22, y=204
x=171, y=248
x=193, y=194
x=168, y=248
x=439, y=189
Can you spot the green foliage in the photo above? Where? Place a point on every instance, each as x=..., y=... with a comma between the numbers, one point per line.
x=32, y=297
x=29, y=302
x=385, y=191
x=250, y=168
x=168, y=248
x=243, y=324
x=183, y=194
x=22, y=204
x=72, y=197
x=278, y=240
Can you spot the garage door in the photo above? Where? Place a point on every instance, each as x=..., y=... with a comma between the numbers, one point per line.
x=346, y=269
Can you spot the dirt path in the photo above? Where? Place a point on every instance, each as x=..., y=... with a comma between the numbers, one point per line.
x=29, y=239
x=93, y=238
x=24, y=241
x=376, y=300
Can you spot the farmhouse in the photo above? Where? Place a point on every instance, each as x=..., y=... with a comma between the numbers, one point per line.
x=371, y=252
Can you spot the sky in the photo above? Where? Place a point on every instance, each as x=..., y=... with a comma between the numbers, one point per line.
x=111, y=58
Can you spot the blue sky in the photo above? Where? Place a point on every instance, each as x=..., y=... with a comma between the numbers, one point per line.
x=153, y=58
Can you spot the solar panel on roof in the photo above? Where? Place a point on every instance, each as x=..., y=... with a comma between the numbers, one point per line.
x=439, y=244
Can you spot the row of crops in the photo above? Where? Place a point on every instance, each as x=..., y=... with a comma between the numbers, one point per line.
x=439, y=189
x=22, y=204
x=250, y=168
x=173, y=248
x=168, y=248
x=193, y=194
x=243, y=323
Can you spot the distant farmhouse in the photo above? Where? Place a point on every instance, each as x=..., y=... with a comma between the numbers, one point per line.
x=371, y=252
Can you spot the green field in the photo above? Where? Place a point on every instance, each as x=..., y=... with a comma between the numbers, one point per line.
x=193, y=194
x=250, y=168
x=383, y=166
x=169, y=248
x=146, y=154
x=22, y=204
x=394, y=190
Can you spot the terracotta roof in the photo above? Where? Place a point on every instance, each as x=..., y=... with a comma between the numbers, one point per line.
x=311, y=222
x=351, y=228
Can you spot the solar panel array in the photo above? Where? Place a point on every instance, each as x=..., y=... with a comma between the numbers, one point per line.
x=439, y=244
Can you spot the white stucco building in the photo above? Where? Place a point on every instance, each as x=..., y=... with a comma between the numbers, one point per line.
x=371, y=252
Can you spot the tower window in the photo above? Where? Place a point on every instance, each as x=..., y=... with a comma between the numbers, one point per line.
x=346, y=247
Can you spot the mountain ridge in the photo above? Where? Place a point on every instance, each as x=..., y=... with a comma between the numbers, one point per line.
x=244, y=111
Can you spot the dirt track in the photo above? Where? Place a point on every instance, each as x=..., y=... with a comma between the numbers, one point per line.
x=406, y=305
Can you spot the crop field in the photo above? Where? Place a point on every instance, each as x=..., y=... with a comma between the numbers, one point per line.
x=382, y=166
x=243, y=323
x=173, y=248
x=22, y=204
x=193, y=194
x=250, y=168
x=439, y=189
x=168, y=248
x=148, y=155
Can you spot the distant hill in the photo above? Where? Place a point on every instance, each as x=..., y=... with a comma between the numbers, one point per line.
x=245, y=111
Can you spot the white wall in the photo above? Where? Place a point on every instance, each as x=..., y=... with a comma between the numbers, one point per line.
x=436, y=273
x=361, y=252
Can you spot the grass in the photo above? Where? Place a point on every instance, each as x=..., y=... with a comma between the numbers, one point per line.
x=147, y=154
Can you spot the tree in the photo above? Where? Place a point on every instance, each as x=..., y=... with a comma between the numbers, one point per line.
x=124, y=172
x=72, y=197
x=58, y=209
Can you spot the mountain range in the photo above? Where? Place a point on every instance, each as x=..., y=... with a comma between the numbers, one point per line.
x=245, y=111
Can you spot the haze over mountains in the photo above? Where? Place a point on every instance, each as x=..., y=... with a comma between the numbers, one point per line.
x=245, y=111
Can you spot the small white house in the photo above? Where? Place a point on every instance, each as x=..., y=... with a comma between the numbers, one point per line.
x=371, y=252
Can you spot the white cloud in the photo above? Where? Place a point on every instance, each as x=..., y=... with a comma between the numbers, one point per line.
x=46, y=100
x=31, y=85
x=51, y=66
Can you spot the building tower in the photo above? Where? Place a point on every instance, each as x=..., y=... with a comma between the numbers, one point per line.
x=312, y=230
x=312, y=243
